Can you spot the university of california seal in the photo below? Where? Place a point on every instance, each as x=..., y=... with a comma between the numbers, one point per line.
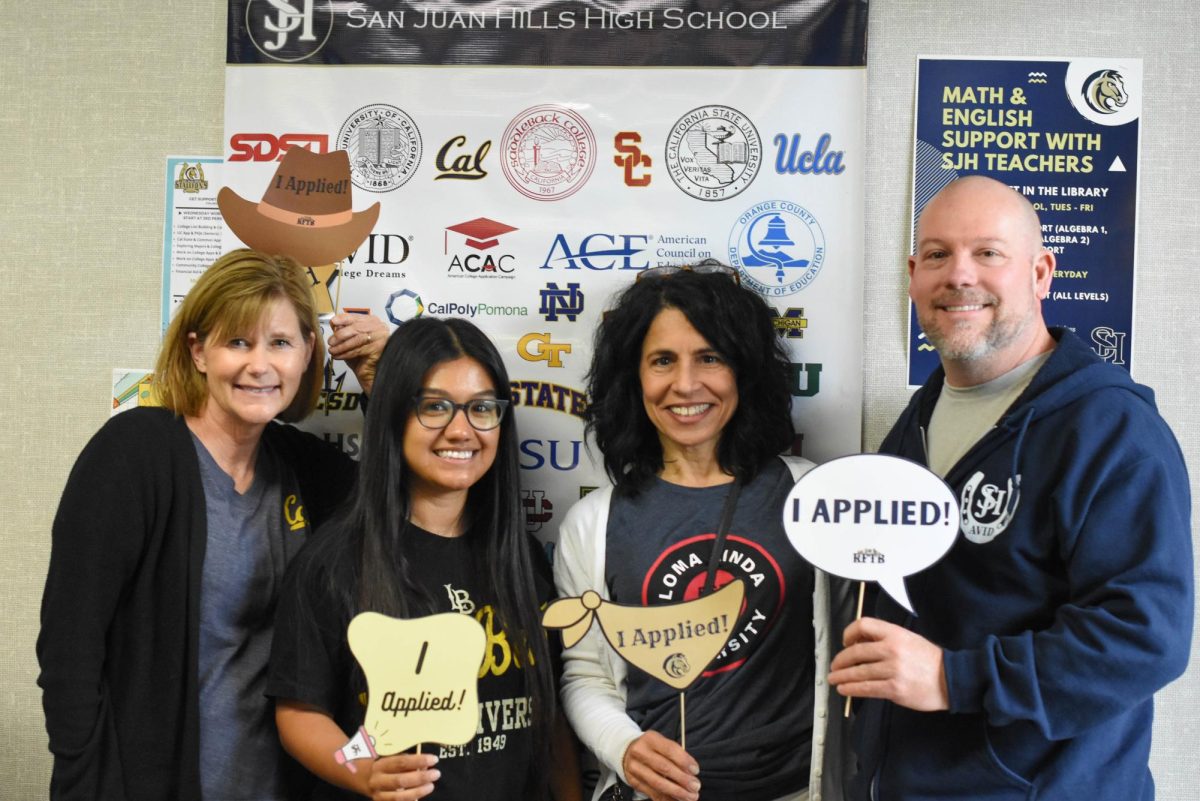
x=384, y=146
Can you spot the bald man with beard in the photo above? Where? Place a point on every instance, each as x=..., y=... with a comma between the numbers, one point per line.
x=1066, y=601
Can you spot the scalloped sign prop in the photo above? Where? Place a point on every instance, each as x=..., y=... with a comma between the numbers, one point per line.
x=872, y=517
x=674, y=643
x=422, y=678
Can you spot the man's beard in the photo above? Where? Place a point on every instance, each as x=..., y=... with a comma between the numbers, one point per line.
x=962, y=342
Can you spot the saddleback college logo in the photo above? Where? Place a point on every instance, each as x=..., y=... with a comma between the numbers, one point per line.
x=713, y=152
x=384, y=146
x=778, y=247
x=288, y=31
x=679, y=573
x=549, y=152
x=481, y=235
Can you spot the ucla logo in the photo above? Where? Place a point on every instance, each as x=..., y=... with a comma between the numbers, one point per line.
x=987, y=509
x=566, y=302
x=778, y=247
x=281, y=31
x=538, y=510
x=293, y=513
x=791, y=159
x=1104, y=92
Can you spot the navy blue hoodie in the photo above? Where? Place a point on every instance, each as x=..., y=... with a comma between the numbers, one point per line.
x=1064, y=604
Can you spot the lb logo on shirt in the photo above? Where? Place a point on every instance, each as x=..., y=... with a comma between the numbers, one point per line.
x=293, y=513
x=987, y=509
x=678, y=575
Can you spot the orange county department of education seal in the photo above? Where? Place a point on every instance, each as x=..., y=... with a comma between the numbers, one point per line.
x=713, y=152
x=549, y=152
x=384, y=146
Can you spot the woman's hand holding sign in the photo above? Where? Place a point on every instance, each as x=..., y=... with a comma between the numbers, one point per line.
x=883, y=660
x=661, y=769
x=403, y=777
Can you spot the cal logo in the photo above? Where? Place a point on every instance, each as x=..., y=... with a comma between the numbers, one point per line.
x=293, y=513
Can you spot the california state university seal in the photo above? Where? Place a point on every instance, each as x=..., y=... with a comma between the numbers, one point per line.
x=713, y=152
x=549, y=152
x=384, y=147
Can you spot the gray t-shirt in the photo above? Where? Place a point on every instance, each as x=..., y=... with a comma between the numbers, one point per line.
x=749, y=717
x=244, y=562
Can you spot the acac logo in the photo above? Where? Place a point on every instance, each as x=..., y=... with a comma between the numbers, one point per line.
x=269, y=147
x=538, y=348
x=479, y=234
x=599, y=252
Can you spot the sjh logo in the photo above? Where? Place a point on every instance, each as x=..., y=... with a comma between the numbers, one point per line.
x=460, y=600
x=538, y=510
x=987, y=509
x=631, y=158
x=567, y=302
x=271, y=31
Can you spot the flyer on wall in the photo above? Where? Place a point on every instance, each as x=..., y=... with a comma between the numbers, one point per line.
x=1065, y=133
x=191, y=227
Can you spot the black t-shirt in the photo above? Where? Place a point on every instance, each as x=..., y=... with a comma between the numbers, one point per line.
x=311, y=662
x=749, y=716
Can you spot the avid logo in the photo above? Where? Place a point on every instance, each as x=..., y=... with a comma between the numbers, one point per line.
x=379, y=250
x=565, y=302
x=599, y=252
x=286, y=31
x=463, y=167
x=631, y=158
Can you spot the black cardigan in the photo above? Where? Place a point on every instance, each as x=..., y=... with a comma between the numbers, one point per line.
x=120, y=613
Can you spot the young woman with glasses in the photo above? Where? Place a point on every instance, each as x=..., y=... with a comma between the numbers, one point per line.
x=434, y=526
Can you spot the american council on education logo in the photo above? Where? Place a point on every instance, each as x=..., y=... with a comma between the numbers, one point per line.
x=778, y=247
x=713, y=152
x=288, y=31
x=384, y=145
x=549, y=152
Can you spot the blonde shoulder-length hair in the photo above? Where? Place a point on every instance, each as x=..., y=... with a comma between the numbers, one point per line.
x=231, y=297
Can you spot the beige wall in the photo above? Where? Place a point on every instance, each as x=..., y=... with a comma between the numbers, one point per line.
x=94, y=95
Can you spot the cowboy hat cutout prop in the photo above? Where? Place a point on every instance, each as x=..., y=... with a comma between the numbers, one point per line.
x=422, y=682
x=306, y=211
x=674, y=643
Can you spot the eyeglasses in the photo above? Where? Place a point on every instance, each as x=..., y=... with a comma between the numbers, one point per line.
x=706, y=267
x=483, y=414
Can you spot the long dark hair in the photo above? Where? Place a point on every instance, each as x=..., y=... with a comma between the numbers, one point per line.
x=737, y=323
x=377, y=520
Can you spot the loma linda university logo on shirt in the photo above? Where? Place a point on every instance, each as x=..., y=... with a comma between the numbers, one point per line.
x=987, y=509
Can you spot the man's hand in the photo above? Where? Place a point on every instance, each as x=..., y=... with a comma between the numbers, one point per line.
x=883, y=660
x=661, y=769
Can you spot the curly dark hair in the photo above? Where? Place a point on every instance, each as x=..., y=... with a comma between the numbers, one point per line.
x=737, y=324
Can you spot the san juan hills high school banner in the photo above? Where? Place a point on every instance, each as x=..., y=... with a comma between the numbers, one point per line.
x=532, y=158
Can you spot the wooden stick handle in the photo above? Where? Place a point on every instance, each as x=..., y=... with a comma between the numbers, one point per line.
x=862, y=591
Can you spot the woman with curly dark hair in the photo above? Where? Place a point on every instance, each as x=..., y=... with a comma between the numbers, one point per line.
x=690, y=406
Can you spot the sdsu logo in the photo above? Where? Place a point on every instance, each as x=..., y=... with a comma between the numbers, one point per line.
x=987, y=509
x=549, y=152
x=269, y=147
x=679, y=574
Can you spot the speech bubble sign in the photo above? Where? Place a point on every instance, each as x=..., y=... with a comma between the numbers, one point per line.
x=872, y=517
x=674, y=643
x=422, y=678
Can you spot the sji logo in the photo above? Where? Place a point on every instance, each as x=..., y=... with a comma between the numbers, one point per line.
x=565, y=302
x=537, y=508
x=284, y=32
x=537, y=347
x=599, y=252
x=631, y=158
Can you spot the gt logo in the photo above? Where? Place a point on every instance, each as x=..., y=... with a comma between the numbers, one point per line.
x=626, y=143
x=268, y=147
x=539, y=348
